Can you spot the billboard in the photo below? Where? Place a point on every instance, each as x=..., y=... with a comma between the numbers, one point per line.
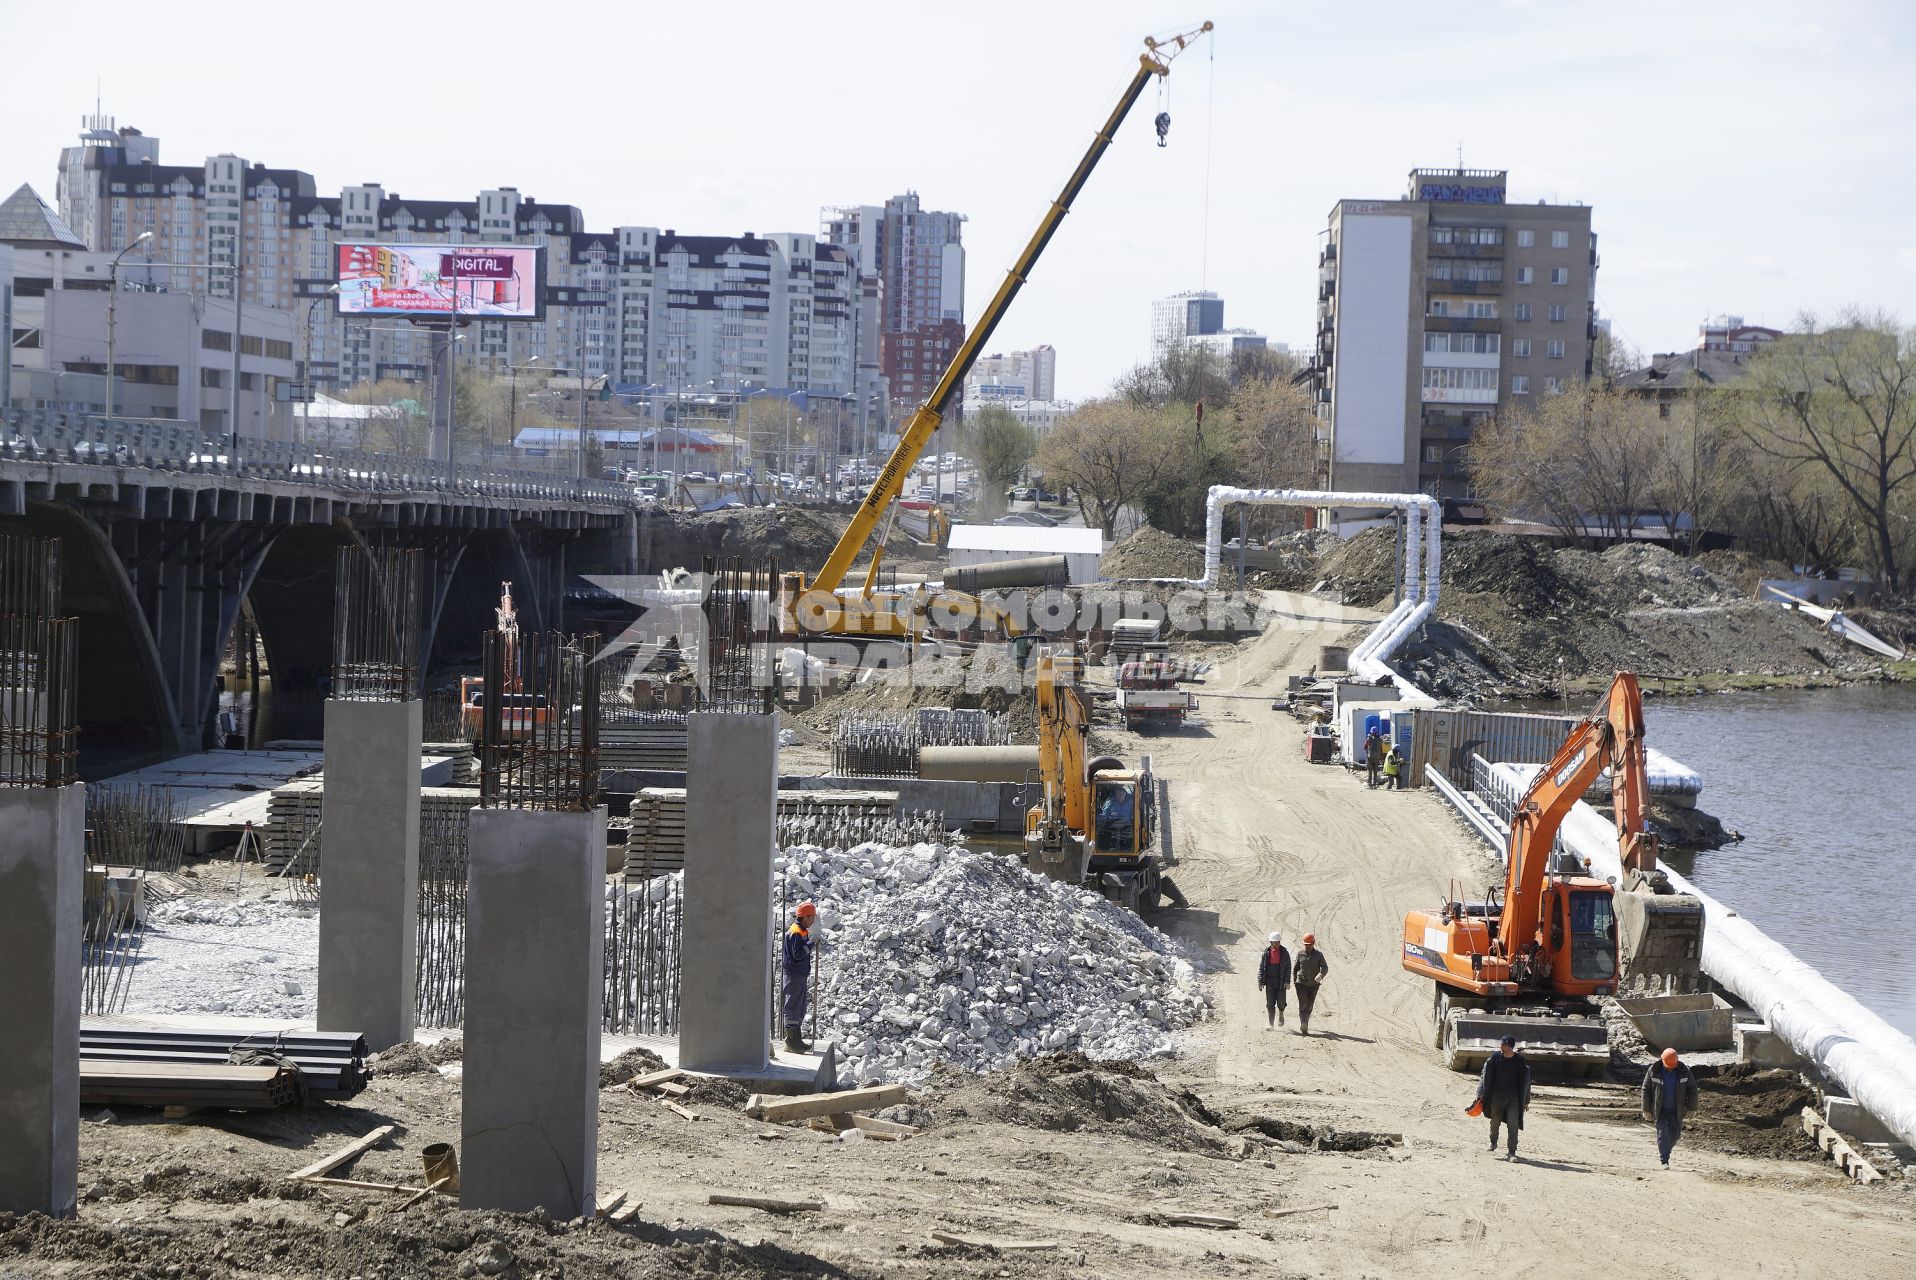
x=424, y=281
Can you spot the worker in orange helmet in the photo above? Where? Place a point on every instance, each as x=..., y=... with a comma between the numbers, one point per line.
x=796, y=967
x=1308, y=972
x=1669, y=1094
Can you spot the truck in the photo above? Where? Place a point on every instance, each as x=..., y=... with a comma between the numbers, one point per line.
x=1149, y=697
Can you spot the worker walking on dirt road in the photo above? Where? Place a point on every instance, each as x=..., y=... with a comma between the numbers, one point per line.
x=1310, y=969
x=1504, y=1089
x=1373, y=757
x=1669, y=1094
x=1274, y=975
x=795, y=964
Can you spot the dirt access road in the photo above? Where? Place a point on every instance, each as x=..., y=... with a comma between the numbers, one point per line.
x=1267, y=841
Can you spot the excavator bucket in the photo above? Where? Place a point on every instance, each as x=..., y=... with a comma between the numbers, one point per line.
x=1660, y=942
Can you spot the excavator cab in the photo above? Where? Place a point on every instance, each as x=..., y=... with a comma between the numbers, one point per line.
x=1115, y=804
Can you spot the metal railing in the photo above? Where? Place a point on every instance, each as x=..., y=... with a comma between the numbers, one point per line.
x=50, y=438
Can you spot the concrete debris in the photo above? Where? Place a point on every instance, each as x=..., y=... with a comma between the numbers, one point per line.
x=245, y=957
x=940, y=954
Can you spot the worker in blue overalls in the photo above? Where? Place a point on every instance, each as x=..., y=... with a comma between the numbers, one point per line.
x=796, y=965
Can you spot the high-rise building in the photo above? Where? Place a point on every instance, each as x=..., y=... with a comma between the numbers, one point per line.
x=634, y=304
x=1434, y=311
x=917, y=256
x=1186, y=315
x=1033, y=373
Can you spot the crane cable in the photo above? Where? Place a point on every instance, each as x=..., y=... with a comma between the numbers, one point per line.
x=1210, y=115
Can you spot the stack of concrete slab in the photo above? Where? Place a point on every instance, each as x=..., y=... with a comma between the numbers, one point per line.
x=293, y=824
x=462, y=766
x=642, y=747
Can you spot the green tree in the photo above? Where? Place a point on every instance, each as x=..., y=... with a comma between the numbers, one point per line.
x=999, y=444
x=1842, y=401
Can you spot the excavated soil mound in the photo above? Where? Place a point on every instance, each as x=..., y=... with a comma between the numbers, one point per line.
x=1151, y=553
x=403, y=1059
x=451, y=1049
x=1360, y=568
x=1744, y=1110
x=633, y=1062
x=796, y=537
x=714, y=1091
x=1068, y=1092
x=430, y=1239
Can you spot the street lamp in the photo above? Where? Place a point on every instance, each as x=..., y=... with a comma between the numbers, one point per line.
x=306, y=370
x=512, y=415
x=112, y=316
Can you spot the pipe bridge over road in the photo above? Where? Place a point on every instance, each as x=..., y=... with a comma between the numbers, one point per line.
x=171, y=540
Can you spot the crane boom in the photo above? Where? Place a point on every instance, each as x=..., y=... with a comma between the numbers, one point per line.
x=1154, y=61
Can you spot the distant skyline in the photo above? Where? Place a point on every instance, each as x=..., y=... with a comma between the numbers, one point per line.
x=1751, y=158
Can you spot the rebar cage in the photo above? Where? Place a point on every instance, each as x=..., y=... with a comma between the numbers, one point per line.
x=39, y=728
x=539, y=722
x=376, y=617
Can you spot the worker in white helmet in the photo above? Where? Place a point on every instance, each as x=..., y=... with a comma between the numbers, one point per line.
x=1274, y=975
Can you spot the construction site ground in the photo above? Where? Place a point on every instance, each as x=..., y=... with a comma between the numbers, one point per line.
x=1347, y=1153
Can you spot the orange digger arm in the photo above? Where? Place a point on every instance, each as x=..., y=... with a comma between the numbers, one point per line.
x=1613, y=735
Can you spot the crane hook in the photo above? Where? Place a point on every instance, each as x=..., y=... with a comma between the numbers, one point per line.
x=1164, y=126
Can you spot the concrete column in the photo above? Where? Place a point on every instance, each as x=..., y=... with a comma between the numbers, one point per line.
x=42, y=865
x=369, y=871
x=535, y=1001
x=731, y=806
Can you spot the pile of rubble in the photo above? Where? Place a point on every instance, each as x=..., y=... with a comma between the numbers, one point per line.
x=1152, y=553
x=940, y=954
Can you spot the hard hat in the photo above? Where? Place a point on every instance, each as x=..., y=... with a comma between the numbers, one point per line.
x=1309, y=939
x=1669, y=1057
x=1275, y=937
x=806, y=909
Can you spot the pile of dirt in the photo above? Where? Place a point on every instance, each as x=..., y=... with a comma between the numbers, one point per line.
x=795, y=537
x=451, y=1049
x=1360, y=569
x=1151, y=553
x=431, y=1239
x=715, y=1091
x=633, y=1062
x=1290, y=562
x=403, y=1059
x=1745, y=1110
x=1743, y=570
x=1068, y=1093
x=932, y=682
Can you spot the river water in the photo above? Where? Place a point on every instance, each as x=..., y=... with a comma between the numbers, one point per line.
x=1822, y=784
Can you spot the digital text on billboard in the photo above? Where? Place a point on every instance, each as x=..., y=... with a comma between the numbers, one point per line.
x=484, y=281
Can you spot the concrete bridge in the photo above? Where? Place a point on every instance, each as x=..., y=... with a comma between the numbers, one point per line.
x=169, y=539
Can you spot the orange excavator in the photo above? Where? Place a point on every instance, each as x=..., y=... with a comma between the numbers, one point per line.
x=1533, y=962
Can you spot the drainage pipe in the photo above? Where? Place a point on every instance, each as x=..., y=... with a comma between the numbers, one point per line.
x=978, y=764
x=1872, y=1060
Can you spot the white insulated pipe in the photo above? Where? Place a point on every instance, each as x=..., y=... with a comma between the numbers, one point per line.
x=1422, y=533
x=1852, y=1044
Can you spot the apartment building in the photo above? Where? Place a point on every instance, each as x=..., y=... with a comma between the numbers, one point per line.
x=1033, y=373
x=634, y=304
x=1437, y=310
x=915, y=258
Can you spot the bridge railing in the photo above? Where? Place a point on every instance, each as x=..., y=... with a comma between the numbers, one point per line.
x=166, y=445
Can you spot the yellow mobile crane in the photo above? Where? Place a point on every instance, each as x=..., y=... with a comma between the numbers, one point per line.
x=823, y=607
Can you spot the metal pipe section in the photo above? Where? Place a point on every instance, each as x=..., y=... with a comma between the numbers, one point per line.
x=1032, y=571
x=978, y=764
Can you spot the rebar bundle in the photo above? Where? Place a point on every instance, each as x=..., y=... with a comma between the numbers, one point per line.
x=134, y=826
x=885, y=744
x=644, y=932
x=539, y=726
x=735, y=663
x=376, y=615
x=39, y=729
x=440, y=992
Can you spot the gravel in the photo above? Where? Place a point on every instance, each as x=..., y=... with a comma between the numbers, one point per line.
x=941, y=954
x=247, y=957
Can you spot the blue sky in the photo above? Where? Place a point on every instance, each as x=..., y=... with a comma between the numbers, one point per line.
x=1755, y=158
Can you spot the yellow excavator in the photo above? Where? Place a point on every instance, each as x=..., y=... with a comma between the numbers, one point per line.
x=823, y=607
x=1095, y=822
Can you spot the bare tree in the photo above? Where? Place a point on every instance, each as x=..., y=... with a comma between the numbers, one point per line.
x=1843, y=399
x=1106, y=451
x=1586, y=462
